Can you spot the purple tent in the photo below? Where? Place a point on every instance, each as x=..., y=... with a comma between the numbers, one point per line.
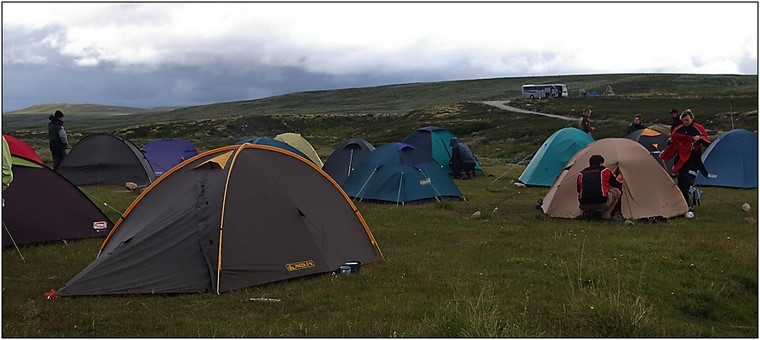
x=164, y=154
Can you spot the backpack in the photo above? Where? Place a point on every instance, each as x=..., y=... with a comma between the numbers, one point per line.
x=694, y=196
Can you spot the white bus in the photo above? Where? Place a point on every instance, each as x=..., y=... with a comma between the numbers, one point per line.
x=544, y=91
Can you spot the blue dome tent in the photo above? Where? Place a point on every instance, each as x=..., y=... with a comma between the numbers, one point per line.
x=731, y=161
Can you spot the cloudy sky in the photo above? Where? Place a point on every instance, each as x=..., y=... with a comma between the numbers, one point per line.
x=179, y=54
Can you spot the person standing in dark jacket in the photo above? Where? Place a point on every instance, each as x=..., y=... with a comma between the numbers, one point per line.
x=636, y=125
x=462, y=161
x=675, y=120
x=599, y=190
x=59, y=142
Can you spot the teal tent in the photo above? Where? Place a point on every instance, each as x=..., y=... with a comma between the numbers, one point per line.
x=400, y=173
x=435, y=141
x=553, y=155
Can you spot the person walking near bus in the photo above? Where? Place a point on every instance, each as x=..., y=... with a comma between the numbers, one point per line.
x=59, y=142
x=585, y=122
x=686, y=143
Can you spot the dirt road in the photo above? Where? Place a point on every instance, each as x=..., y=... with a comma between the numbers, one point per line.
x=503, y=105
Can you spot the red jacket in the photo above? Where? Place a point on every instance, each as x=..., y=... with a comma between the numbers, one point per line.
x=682, y=144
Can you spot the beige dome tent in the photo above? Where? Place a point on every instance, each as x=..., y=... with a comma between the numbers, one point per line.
x=295, y=140
x=648, y=190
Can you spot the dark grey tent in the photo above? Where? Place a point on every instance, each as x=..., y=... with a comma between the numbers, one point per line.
x=345, y=157
x=35, y=189
x=105, y=158
x=655, y=142
x=232, y=217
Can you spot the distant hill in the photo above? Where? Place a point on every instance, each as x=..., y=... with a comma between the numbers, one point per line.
x=84, y=109
x=403, y=98
x=387, y=113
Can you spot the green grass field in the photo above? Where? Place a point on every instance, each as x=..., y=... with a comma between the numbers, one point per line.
x=518, y=273
x=445, y=274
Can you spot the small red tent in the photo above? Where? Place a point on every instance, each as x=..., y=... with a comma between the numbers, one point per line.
x=21, y=149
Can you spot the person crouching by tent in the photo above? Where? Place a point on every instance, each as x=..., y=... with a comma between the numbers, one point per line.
x=599, y=190
x=685, y=143
x=462, y=161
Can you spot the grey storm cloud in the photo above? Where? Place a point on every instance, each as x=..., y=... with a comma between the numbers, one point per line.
x=180, y=54
x=40, y=73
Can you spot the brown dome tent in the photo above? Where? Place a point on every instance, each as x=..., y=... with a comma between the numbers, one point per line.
x=648, y=190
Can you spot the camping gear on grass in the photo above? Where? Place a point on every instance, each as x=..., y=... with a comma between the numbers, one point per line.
x=648, y=190
x=233, y=217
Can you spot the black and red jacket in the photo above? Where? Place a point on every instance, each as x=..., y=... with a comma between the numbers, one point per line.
x=688, y=151
x=593, y=184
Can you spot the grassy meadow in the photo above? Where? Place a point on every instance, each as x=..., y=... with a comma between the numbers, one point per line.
x=517, y=273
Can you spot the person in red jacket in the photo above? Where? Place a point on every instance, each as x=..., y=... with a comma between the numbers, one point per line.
x=685, y=144
x=599, y=190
